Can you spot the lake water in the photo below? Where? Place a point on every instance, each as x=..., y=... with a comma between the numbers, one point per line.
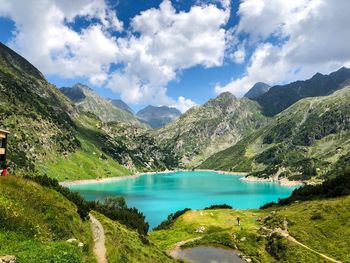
x=208, y=254
x=158, y=195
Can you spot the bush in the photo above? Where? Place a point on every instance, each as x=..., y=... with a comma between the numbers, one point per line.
x=224, y=206
x=116, y=209
x=167, y=224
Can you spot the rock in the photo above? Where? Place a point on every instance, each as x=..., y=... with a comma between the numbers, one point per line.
x=72, y=240
x=8, y=259
x=200, y=229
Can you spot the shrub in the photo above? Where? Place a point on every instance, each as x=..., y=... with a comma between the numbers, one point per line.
x=167, y=224
x=224, y=206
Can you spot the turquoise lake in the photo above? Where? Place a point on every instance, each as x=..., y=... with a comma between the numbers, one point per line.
x=158, y=195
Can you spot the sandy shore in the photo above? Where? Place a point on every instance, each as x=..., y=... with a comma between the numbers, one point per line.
x=126, y=177
x=282, y=181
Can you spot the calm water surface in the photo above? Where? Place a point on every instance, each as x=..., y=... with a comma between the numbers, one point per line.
x=158, y=195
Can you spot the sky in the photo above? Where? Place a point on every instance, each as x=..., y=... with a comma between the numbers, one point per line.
x=178, y=53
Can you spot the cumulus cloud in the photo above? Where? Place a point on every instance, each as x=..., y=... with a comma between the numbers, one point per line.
x=43, y=36
x=160, y=43
x=164, y=42
x=291, y=40
x=184, y=104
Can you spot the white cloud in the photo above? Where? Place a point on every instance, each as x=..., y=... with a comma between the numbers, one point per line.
x=160, y=43
x=308, y=36
x=239, y=55
x=43, y=36
x=164, y=42
x=184, y=104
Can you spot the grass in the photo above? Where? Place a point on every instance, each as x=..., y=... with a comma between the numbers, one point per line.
x=125, y=245
x=88, y=161
x=36, y=222
x=322, y=225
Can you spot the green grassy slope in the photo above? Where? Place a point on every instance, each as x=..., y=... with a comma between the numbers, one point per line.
x=302, y=142
x=36, y=222
x=124, y=245
x=322, y=225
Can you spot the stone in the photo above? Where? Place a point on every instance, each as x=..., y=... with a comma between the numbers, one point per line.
x=8, y=259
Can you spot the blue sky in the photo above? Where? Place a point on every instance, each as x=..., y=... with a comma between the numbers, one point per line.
x=177, y=53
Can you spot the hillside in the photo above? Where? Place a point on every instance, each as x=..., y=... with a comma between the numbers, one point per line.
x=124, y=245
x=300, y=232
x=214, y=126
x=158, y=116
x=303, y=142
x=87, y=100
x=36, y=223
x=37, y=114
x=281, y=97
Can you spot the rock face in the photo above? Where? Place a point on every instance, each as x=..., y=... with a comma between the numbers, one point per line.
x=214, y=126
x=87, y=100
x=158, y=116
x=257, y=90
x=278, y=98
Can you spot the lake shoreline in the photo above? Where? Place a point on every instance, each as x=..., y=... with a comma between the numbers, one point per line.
x=126, y=177
x=282, y=182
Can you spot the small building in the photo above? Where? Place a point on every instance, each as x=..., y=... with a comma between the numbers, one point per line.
x=3, y=146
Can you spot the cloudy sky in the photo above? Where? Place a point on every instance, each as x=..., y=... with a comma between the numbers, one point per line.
x=180, y=52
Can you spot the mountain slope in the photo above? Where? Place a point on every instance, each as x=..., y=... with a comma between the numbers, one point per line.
x=158, y=116
x=37, y=114
x=121, y=105
x=279, y=98
x=257, y=90
x=212, y=127
x=304, y=141
x=36, y=223
x=87, y=100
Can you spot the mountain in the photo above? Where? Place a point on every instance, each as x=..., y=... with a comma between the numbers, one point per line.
x=303, y=142
x=257, y=90
x=214, y=126
x=281, y=97
x=158, y=116
x=87, y=100
x=51, y=135
x=121, y=105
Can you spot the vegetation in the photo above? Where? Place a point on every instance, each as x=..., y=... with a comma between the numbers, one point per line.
x=167, y=224
x=36, y=222
x=334, y=187
x=214, y=126
x=321, y=225
x=279, y=98
x=125, y=245
x=304, y=142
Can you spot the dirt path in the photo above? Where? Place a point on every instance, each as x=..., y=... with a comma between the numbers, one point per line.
x=285, y=234
x=99, y=240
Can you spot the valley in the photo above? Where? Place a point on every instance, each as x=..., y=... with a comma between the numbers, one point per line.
x=70, y=134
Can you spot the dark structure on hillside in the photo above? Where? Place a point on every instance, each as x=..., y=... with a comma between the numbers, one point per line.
x=3, y=146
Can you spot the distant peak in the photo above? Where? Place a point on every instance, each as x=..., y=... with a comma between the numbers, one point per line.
x=82, y=86
x=226, y=95
x=257, y=90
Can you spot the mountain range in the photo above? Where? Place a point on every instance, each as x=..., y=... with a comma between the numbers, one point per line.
x=298, y=130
